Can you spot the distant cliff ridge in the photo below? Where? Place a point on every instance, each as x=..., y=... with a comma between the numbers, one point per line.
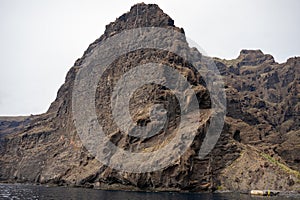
x=258, y=148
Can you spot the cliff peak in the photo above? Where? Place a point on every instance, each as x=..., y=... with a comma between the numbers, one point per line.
x=140, y=15
x=254, y=57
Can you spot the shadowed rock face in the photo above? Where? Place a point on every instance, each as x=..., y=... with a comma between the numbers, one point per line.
x=259, y=143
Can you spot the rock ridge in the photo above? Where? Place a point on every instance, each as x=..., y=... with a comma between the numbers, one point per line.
x=259, y=143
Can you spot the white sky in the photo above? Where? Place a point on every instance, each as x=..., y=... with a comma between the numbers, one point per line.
x=41, y=39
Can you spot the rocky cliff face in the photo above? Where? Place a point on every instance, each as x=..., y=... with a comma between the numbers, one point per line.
x=257, y=148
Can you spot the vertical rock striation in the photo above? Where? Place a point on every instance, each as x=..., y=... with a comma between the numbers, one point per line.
x=258, y=144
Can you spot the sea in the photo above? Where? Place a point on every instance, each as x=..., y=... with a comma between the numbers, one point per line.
x=32, y=192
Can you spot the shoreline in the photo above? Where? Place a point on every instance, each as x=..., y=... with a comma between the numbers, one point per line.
x=280, y=193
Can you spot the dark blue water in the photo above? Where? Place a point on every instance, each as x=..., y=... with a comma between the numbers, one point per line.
x=8, y=191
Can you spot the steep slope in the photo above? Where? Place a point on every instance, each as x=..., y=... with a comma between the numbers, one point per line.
x=265, y=95
x=262, y=124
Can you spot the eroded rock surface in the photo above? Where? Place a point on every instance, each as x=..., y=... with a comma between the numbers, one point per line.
x=259, y=143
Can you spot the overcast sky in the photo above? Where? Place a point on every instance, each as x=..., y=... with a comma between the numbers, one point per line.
x=41, y=39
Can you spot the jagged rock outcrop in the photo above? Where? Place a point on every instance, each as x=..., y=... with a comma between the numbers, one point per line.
x=257, y=148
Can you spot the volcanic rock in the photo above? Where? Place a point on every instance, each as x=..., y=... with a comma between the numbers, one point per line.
x=258, y=146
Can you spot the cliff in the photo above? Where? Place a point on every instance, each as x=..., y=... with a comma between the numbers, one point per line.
x=257, y=148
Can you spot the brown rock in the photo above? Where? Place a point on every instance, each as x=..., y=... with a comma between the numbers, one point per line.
x=263, y=112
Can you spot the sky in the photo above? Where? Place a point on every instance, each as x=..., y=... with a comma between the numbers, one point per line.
x=41, y=39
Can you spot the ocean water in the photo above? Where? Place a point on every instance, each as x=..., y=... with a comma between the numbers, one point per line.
x=18, y=191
